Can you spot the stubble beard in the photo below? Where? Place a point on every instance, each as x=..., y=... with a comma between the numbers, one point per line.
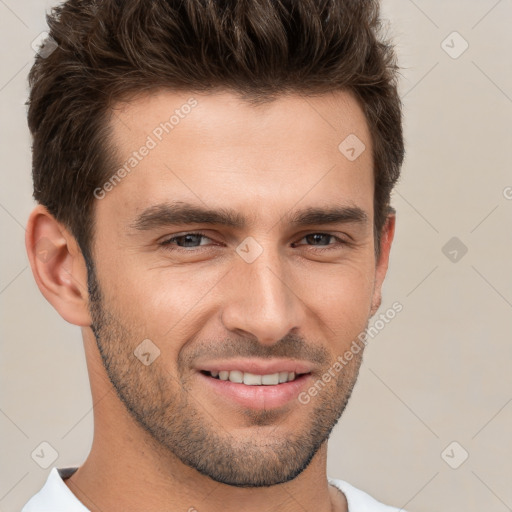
x=164, y=406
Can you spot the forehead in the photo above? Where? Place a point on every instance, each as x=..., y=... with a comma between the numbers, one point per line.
x=215, y=116
x=218, y=149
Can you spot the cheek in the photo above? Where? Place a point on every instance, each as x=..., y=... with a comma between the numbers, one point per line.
x=167, y=304
x=342, y=299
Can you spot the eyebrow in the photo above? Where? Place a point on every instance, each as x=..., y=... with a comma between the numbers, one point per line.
x=180, y=213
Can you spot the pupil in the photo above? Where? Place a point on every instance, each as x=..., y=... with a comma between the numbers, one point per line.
x=190, y=238
x=315, y=237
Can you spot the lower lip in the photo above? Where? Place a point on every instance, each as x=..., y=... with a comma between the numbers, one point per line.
x=258, y=397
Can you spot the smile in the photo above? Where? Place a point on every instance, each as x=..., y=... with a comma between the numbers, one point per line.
x=252, y=379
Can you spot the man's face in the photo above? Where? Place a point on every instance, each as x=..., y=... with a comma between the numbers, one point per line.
x=280, y=290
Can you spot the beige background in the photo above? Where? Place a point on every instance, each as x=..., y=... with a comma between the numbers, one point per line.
x=438, y=373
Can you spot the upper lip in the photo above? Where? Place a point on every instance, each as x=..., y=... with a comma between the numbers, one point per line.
x=257, y=366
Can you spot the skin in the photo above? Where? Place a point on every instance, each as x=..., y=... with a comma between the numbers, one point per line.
x=155, y=424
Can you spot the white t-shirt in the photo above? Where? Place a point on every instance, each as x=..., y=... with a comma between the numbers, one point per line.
x=55, y=496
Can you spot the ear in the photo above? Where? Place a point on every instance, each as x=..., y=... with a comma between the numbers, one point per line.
x=58, y=266
x=386, y=239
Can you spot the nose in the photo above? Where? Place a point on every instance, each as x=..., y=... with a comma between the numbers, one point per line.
x=261, y=301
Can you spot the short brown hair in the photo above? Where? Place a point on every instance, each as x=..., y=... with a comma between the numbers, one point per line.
x=110, y=49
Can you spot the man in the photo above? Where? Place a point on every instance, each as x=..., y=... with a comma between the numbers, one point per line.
x=213, y=182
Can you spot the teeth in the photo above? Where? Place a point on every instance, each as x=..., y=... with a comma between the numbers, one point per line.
x=251, y=379
x=236, y=376
x=270, y=380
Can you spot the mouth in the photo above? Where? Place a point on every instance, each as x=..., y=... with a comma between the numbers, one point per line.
x=256, y=384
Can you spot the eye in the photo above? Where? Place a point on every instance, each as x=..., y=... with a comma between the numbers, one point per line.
x=187, y=242
x=184, y=241
x=321, y=240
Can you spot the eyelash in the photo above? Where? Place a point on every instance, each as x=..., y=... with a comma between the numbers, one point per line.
x=167, y=244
